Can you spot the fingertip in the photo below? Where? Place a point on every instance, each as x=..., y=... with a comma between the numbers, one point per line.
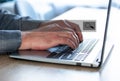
x=80, y=36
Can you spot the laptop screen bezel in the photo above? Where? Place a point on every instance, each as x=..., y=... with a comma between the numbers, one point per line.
x=105, y=33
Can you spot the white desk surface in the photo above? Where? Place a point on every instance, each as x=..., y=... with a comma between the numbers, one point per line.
x=20, y=70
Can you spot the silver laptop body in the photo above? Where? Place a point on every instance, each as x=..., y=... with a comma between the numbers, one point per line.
x=91, y=52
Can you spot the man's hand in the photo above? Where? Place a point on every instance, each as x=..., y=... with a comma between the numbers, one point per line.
x=66, y=24
x=52, y=34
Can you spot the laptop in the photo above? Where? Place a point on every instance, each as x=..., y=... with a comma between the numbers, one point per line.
x=92, y=52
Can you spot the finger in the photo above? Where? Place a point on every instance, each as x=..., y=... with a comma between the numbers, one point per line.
x=71, y=34
x=76, y=28
x=67, y=41
x=67, y=32
x=73, y=26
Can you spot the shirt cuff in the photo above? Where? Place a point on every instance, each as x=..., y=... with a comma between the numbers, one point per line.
x=10, y=40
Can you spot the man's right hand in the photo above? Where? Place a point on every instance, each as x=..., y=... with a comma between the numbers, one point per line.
x=49, y=36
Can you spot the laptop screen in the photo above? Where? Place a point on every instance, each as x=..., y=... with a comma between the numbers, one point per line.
x=107, y=42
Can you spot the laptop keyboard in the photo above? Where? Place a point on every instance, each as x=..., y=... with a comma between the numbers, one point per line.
x=65, y=52
x=86, y=46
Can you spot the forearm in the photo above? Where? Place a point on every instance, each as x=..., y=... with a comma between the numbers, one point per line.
x=10, y=26
x=14, y=22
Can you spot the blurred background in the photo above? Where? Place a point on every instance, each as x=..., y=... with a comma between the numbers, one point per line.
x=49, y=9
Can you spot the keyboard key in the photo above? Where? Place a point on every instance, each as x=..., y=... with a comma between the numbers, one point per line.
x=79, y=57
x=52, y=55
x=69, y=56
x=89, y=46
x=65, y=52
x=61, y=51
x=72, y=56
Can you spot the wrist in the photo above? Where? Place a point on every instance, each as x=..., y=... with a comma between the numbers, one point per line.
x=24, y=43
